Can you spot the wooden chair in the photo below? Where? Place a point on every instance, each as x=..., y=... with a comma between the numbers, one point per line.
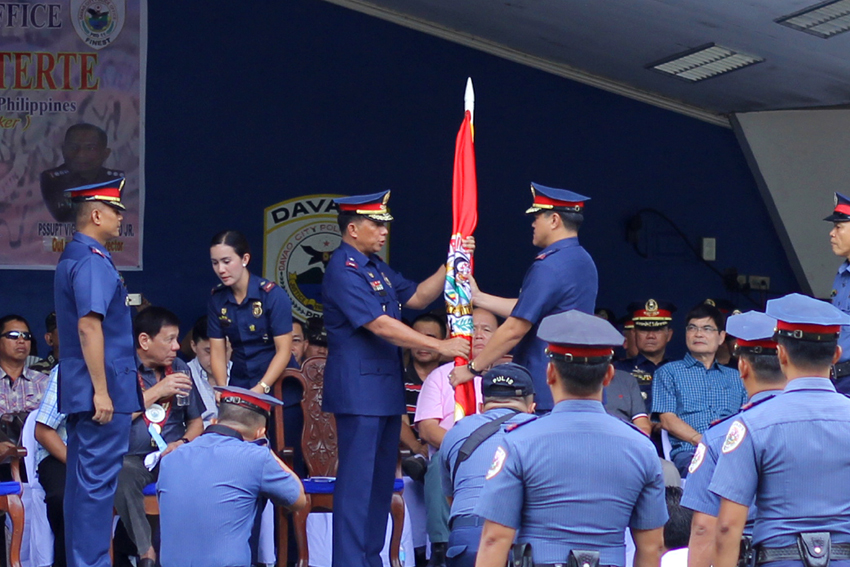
x=319, y=444
x=10, y=499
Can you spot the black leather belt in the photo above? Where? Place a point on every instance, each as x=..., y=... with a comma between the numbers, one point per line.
x=841, y=370
x=792, y=553
x=466, y=521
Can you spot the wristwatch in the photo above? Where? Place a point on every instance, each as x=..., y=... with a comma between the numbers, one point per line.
x=472, y=369
x=265, y=387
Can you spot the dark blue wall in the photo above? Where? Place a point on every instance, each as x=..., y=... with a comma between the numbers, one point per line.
x=248, y=107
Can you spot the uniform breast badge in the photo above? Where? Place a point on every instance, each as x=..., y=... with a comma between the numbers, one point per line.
x=257, y=309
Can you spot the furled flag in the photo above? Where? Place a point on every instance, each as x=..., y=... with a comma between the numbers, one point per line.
x=458, y=288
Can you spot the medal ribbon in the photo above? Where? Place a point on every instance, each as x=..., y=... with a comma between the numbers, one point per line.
x=165, y=405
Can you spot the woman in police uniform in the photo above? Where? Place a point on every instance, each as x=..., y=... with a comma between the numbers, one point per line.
x=254, y=313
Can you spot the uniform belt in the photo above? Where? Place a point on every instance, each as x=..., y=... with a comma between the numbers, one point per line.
x=792, y=553
x=841, y=369
x=466, y=521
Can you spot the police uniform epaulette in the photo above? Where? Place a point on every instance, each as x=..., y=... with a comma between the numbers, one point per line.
x=544, y=255
x=266, y=286
x=98, y=252
x=219, y=287
x=350, y=263
x=516, y=425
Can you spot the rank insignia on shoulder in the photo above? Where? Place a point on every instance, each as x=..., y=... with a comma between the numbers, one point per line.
x=350, y=263
x=833, y=293
x=514, y=426
x=267, y=287
x=216, y=288
x=98, y=252
x=541, y=256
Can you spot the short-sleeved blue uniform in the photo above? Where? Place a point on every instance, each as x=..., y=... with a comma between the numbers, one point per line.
x=576, y=478
x=87, y=281
x=562, y=277
x=214, y=485
x=265, y=313
x=841, y=300
x=466, y=527
x=697, y=496
x=364, y=388
x=791, y=454
x=643, y=370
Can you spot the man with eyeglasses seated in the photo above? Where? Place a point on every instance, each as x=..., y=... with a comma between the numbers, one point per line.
x=21, y=388
x=689, y=394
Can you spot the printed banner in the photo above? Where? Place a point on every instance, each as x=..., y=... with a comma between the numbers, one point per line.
x=72, y=103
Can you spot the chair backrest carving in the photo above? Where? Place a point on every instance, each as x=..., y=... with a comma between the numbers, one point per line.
x=319, y=441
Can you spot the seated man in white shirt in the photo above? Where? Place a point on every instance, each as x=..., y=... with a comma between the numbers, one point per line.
x=202, y=369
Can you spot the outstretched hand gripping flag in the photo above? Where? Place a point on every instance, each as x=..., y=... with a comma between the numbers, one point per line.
x=458, y=288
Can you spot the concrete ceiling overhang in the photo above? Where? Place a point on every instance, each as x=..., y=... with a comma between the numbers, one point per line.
x=609, y=43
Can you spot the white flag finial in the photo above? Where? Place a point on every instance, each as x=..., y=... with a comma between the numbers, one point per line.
x=469, y=99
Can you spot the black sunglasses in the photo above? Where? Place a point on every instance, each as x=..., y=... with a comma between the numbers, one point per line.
x=15, y=335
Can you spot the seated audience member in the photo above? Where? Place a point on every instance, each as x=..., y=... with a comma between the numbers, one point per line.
x=217, y=485
x=51, y=337
x=676, y=530
x=622, y=399
x=167, y=423
x=317, y=338
x=51, y=458
x=690, y=394
x=422, y=363
x=299, y=341
x=651, y=332
x=508, y=392
x=435, y=414
x=201, y=369
x=21, y=388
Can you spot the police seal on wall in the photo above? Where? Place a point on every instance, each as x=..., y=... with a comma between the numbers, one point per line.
x=300, y=236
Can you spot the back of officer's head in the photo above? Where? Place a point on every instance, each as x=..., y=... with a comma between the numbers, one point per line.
x=507, y=385
x=765, y=366
x=240, y=418
x=810, y=355
x=581, y=379
x=151, y=320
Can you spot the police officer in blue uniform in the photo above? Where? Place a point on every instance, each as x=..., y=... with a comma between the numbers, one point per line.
x=839, y=238
x=651, y=322
x=210, y=490
x=98, y=389
x=562, y=277
x=792, y=453
x=467, y=451
x=254, y=313
x=759, y=368
x=363, y=387
x=553, y=482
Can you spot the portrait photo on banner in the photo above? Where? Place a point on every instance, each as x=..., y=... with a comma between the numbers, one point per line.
x=71, y=114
